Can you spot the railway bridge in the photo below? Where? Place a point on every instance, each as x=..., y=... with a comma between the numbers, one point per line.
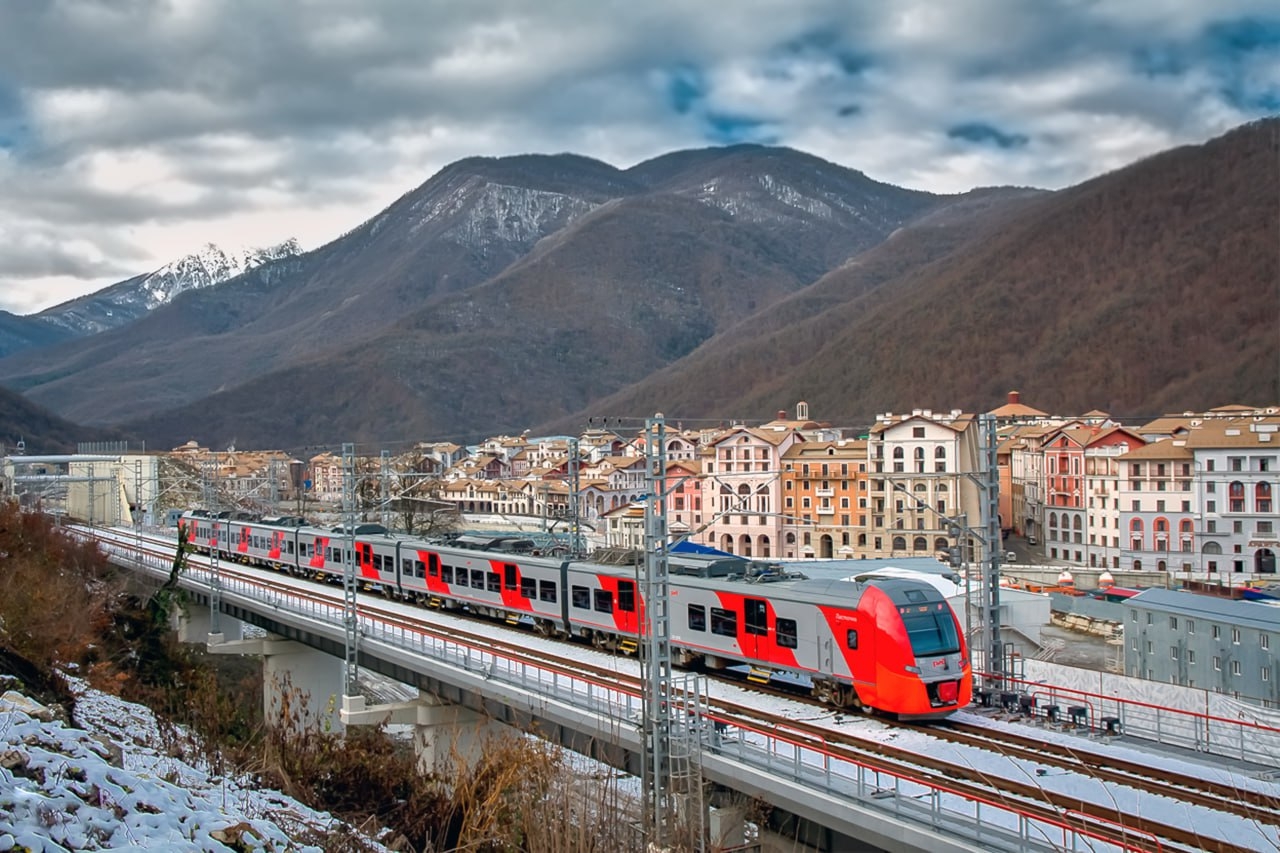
x=823, y=802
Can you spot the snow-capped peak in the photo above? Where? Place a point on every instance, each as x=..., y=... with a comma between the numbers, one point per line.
x=209, y=266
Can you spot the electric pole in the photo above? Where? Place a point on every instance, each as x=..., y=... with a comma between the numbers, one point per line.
x=349, y=614
x=657, y=642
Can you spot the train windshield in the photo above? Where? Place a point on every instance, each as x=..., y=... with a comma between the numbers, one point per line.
x=932, y=633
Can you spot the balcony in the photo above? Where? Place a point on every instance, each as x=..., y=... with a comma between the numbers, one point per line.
x=825, y=493
x=826, y=510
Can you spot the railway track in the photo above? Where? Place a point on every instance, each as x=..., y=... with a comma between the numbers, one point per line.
x=1107, y=822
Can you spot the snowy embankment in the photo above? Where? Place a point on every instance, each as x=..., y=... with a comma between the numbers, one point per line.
x=105, y=782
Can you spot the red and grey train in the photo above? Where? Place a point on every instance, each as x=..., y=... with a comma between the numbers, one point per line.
x=888, y=644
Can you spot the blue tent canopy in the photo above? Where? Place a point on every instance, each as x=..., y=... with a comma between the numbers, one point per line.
x=686, y=547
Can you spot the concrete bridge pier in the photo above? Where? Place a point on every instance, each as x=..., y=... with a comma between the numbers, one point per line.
x=301, y=686
x=194, y=623
x=445, y=736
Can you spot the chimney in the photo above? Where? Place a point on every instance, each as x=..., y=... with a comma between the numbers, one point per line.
x=1014, y=398
x=782, y=414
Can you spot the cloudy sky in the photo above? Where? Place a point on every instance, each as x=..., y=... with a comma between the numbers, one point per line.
x=134, y=131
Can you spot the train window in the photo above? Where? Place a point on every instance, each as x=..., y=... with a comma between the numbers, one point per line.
x=477, y=578
x=446, y=574
x=627, y=596
x=931, y=633
x=581, y=598
x=756, y=616
x=724, y=622
x=419, y=570
x=433, y=565
x=495, y=582
x=697, y=617
x=461, y=578
x=851, y=638
x=547, y=590
x=509, y=571
x=787, y=633
x=289, y=547
x=604, y=601
x=528, y=588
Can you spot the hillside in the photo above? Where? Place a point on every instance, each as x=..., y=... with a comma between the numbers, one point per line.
x=1154, y=288
x=40, y=430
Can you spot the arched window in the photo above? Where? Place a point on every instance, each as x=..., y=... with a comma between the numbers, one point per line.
x=1212, y=548
x=1137, y=565
x=919, y=544
x=1236, y=496
x=745, y=541
x=940, y=544
x=898, y=454
x=1162, y=525
x=942, y=488
x=791, y=538
x=726, y=543
x=1053, y=521
x=899, y=543
x=862, y=540
x=939, y=453
x=1136, y=525
x=762, y=546
x=1262, y=497
x=1077, y=523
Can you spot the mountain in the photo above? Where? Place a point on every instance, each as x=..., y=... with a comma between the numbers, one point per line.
x=1150, y=289
x=126, y=301
x=122, y=303
x=39, y=430
x=462, y=286
x=18, y=333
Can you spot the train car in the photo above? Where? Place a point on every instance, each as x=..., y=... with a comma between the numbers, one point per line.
x=205, y=531
x=502, y=584
x=892, y=645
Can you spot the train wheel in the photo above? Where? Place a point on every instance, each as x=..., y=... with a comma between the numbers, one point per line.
x=545, y=628
x=600, y=640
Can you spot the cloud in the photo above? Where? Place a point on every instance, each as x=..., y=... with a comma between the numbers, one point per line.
x=137, y=130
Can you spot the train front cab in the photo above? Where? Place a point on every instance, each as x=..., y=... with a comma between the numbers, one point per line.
x=921, y=664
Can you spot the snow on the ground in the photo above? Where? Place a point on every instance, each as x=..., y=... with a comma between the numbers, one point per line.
x=106, y=782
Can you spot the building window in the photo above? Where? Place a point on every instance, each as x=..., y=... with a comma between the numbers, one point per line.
x=1217, y=632
x=1191, y=626
x=1235, y=667
x=1264, y=640
x=1173, y=652
x=1191, y=656
x=1173, y=623
x=1235, y=636
x=1217, y=664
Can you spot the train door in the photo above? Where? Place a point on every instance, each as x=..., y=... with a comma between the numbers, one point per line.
x=364, y=561
x=755, y=628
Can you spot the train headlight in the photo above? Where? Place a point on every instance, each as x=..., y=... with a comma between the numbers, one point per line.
x=914, y=669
